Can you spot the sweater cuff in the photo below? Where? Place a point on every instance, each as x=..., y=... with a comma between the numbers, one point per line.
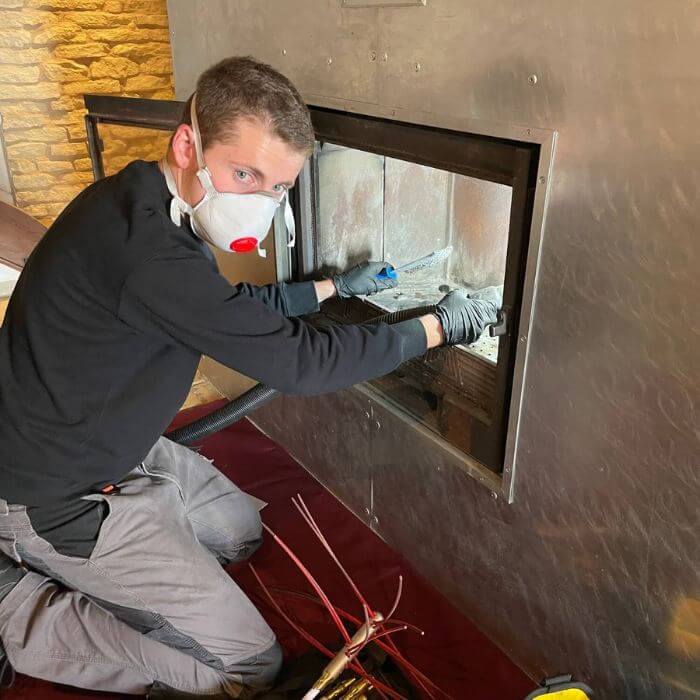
x=300, y=298
x=415, y=340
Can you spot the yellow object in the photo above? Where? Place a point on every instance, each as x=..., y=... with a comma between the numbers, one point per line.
x=566, y=694
x=561, y=688
x=684, y=629
x=357, y=690
x=340, y=689
x=340, y=661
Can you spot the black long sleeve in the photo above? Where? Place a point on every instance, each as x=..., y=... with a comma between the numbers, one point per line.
x=289, y=299
x=108, y=322
x=184, y=300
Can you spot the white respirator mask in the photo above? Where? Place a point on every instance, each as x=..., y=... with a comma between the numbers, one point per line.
x=230, y=221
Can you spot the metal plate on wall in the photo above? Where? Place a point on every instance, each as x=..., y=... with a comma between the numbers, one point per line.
x=605, y=521
x=320, y=46
x=348, y=465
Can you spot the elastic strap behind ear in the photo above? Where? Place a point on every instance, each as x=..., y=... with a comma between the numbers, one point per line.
x=197, y=135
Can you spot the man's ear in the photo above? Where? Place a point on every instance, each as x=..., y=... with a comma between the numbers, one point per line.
x=183, y=147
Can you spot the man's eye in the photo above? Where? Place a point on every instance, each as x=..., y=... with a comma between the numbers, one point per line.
x=279, y=189
x=242, y=175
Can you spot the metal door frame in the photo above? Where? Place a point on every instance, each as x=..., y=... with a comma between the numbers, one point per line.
x=540, y=177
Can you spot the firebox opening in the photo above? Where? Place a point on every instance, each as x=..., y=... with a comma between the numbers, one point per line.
x=372, y=206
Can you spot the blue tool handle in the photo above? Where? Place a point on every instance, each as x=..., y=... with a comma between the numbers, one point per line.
x=387, y=273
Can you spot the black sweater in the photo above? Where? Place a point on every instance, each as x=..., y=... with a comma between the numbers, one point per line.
x=106, y=326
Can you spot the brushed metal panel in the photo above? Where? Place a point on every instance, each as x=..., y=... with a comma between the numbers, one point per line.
x=345, y=465
x=471, y=59
x=591, y=568
x=593, y=574
x=318, y=45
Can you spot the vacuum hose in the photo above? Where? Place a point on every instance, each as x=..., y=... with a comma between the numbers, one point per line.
x=261, y=394
x=224, y=416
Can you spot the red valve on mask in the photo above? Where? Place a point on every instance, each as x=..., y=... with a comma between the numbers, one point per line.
x=244, y=245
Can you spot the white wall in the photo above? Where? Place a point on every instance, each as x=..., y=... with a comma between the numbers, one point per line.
x=8, y=278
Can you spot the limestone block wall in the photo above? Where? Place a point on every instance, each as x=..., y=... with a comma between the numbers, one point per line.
x=51, y=53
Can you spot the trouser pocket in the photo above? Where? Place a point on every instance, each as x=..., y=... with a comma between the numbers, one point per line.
x=72, y=529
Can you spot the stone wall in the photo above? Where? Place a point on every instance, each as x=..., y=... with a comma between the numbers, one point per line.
x=51, y=53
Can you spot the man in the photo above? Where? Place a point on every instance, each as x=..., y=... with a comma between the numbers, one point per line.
x=111, y=539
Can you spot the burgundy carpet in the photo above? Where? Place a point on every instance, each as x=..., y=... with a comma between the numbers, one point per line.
x=453, y=653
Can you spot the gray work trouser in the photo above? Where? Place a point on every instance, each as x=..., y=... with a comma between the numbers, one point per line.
x=152, y=604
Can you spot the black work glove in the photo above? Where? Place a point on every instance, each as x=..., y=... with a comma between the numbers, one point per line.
x=363, y=279
x=465, y=316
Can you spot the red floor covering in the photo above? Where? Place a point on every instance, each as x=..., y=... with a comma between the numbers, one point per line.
x=453, y=653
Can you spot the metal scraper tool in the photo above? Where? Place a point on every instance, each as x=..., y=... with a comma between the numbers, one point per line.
x=434, y=258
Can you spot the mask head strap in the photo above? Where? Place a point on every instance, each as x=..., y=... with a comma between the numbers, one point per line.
x=197, y=135
x=178, y=206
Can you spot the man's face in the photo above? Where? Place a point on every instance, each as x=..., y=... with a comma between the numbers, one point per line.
x=252, y=160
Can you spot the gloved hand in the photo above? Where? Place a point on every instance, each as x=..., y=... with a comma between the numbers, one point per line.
x=362, y=279
x=465, y=316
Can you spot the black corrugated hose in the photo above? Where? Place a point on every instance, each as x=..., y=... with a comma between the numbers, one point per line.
x=261, y=394
x=224, y=416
